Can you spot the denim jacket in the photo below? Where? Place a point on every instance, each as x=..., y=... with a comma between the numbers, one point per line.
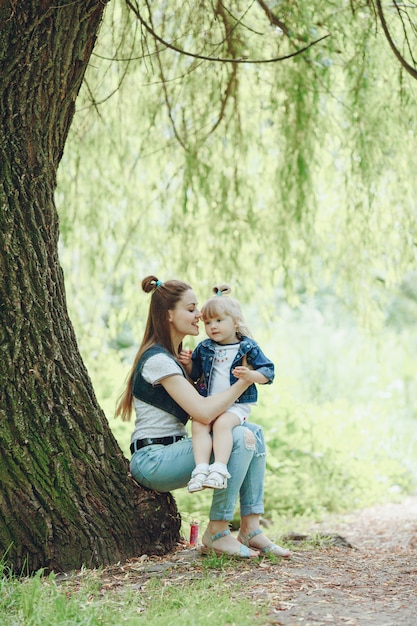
x=202, y=366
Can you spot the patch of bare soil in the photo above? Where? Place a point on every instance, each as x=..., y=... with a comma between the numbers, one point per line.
x=364, y=575
x=372, y=583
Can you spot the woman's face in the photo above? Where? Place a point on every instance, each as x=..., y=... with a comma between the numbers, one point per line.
x=185, y=317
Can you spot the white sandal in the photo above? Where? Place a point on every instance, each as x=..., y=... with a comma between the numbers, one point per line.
x=198, y=477
x=217, y=477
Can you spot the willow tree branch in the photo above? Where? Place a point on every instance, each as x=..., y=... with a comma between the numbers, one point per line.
x=217, y=59
x=275, y=21
x=409, y=68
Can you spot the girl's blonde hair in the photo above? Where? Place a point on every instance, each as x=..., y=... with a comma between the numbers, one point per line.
x=222, y=304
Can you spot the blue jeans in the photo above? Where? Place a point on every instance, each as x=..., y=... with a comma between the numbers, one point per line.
x=165, y=468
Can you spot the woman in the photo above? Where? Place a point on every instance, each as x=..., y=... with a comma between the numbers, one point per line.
x=163, y=399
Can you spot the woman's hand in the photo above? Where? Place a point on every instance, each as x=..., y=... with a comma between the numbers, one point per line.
x=249, y=375
x=244, y=373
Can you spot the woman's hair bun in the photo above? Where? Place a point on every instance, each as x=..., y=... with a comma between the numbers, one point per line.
x=149, y=283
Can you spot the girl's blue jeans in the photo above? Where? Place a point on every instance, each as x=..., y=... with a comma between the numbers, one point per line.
x=166, y=468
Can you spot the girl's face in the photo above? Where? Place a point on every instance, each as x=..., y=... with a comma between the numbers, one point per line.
x=185, y=317
x=221, y=329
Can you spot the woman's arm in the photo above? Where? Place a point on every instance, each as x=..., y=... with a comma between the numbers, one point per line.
x=201, y=409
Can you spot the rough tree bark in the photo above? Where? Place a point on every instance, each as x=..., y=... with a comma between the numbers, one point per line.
x=66, y=498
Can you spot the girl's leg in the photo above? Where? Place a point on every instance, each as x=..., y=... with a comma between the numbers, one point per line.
x=222, y=436
x=202, y=447
x=202, y=442
x=222, y=448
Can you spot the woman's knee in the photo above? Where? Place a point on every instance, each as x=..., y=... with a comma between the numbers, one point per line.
x=252, y=437
x=243, y=436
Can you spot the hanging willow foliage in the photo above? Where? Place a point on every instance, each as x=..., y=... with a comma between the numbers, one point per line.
x=262, y=143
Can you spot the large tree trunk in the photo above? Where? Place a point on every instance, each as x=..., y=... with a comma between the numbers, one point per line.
x=66, y=498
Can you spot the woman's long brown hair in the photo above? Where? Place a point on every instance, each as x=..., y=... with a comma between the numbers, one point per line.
x=165, y=297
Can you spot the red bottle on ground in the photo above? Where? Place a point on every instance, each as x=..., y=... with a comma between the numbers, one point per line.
x=194, y=533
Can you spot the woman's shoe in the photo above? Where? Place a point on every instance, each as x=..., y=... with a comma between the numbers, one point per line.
x=198, y=476
x=271, y=548
x=239, y=551
x=217, y=477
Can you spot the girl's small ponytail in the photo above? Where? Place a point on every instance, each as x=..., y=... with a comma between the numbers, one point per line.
x=222, y=290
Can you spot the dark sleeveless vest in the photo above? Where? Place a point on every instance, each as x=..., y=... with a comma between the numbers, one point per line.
x=156, y=396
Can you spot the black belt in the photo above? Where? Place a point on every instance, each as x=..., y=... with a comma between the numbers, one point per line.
x=165, y=441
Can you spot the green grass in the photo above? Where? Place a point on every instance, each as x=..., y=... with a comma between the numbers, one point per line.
x=39, y=601
x=206, y=599
x=203, y=602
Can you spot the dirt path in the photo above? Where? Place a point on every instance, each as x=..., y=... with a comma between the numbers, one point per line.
x=371, y=583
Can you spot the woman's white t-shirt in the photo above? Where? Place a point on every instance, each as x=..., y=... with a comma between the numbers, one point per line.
x=151, y=421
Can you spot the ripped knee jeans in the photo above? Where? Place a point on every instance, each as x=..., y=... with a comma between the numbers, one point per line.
x=247, y=469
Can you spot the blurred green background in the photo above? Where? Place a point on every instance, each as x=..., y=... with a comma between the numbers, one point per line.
x=339, y=421
x=295, y=182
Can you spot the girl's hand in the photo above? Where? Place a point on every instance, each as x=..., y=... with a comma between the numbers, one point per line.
x=184, y=357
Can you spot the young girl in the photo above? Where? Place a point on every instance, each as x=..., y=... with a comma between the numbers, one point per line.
x=229, y=347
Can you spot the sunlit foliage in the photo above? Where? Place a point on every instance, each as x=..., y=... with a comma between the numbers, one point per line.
x=292, y=174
